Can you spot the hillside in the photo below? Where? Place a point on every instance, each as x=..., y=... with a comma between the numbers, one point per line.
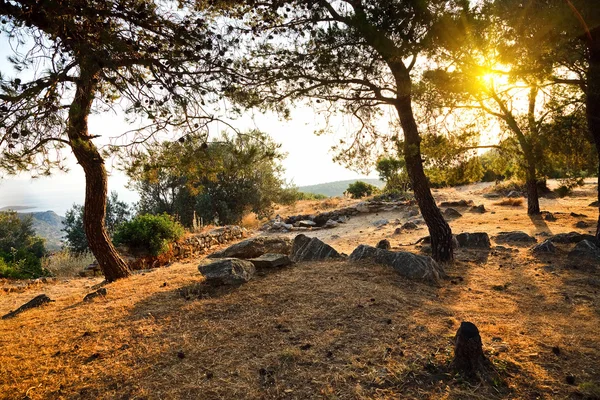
x=48, y=225
x=337, y=188
x=325, y=329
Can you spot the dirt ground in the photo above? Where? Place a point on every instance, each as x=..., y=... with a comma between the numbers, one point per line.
x=334, y=330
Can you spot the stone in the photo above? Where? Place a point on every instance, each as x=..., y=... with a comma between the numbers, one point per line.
x=480, y=209
x=478, y=240
x=546, y=247
x=571, y=237
x=452, y=213
x=381, y=222
x=384, y=244
x=582, y=225
x=311, y=249
x=412, y=213
x=397, y=231
x=492, y=195
x=549, y=217
x=102, y=292
x=576, y=215
x=270, y=260
x=459, y=203
x=585, y=249
x=307, y=223
x=594, y=204
x=412, y=266
x=255, y=247
x=409, y=226
x=362, y=207
x=331, y=224
x=228, y=271
x=33, y=303
x=513, y=194
x=514, y=236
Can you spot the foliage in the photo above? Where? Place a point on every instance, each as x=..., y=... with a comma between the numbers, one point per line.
x=290, y=195
x=151, y=233
x=360, y=189
x=218, y=181
x=117, y=212
x=20, y=249
x=393, y=172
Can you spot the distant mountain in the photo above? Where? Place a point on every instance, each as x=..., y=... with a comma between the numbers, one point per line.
x=337, y=188
x=48, y=225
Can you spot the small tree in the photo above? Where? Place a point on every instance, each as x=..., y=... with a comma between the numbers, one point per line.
x=393, y=172
x=360, y=189
x=21, y=250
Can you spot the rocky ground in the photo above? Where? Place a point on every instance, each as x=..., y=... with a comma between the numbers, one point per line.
x=334, y=328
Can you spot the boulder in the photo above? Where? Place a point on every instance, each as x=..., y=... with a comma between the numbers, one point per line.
x=452, y=213
x=306, y=223
x=480, y=209
x=270, y=260
x=255, y=247
x=594, y=204
x=515, y=236
x=409, y=226
x=311, y=249
x=585, y=249
x=478, y=240
x=546, y=247
x=331, y=224
x=229, y=271
x=576, y=215
x=384, y=244
x=412, y=213
x=550, y=217
x=412, y=266
x=458, y=203
x=381, y=222
x=582, y=224
x=571, y=237
x=362, y=207
x=37, y=301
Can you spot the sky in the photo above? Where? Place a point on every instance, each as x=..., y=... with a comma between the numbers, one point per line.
x=308, y=161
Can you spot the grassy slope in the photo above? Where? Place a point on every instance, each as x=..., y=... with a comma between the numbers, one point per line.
x=333, y=330
x=337, y=188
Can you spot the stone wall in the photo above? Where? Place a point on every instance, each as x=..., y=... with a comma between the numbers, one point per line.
x=197, y=244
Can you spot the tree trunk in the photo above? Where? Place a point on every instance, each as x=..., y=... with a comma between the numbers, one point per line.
x=468, y=351
x=593, y=104
x=533, y=200
x=439, y=230
x=96, y=190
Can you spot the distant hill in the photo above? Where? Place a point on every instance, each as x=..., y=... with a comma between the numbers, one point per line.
x=48, y=225
x=337, y=188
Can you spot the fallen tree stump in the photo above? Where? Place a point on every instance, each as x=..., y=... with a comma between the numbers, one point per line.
x=468, y=351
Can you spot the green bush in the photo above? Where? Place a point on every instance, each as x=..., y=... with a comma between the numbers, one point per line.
x=151, y=233
x=361, y=189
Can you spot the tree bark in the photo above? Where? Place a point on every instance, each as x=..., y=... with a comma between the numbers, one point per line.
x=96, y=186
x=468, y=351
x=533, y=200
x=593, y=104
x=439, y=230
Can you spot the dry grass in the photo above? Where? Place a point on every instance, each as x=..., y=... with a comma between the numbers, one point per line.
x=250, y=221
x=65, y=263
x=334, y=330
x=512, y=202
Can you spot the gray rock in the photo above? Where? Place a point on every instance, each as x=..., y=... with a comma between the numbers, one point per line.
x=459, y=203
x=452, y=213
x=571, y=237
x=229, y=271
x=480, y=209
x=409, y=226
x=585, y=249
x=594, y=204
x=384, y=244
x=381, y=222
x=305, y=223
x=515, y=236
x=102, y=292
x=513, y=194
x=550, y=217
x=492, y=195
x=311, y=249
x=270, y=260
x=331, y=224
x=407, y=264
x=576, y=215
x=362, y=207
x=412, y=213
x=582, y=225
x=397, y=231
x=546, y=247
x=37, y=301
x=255, y=247
x=479, y=240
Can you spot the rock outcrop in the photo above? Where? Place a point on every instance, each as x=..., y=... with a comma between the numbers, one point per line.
x=478, y=240
x=256, y=247
x=270, y=261
x=311, y=249
x=407, y=264
x=514, y=237
x=229, y=271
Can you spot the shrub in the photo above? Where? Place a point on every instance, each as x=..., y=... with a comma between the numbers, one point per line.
x=361, y=189
x=20, y=249
x=151, y=233
x=67, y=263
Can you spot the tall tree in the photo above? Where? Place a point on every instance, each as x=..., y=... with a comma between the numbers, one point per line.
x=152, y=59
x=356, y=55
